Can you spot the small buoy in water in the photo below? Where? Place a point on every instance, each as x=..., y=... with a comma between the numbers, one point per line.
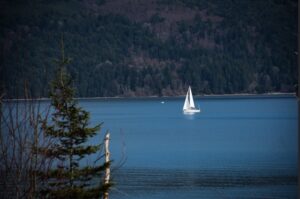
x=162, y=102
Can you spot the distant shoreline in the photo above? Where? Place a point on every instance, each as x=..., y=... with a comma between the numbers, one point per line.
x=205, y=96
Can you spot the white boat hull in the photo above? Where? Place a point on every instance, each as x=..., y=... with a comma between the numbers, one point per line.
x=188, y=111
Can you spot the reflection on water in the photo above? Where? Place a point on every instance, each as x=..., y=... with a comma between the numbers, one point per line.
x=189, y=116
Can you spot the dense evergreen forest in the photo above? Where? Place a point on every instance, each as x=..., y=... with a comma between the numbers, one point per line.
x=155, y=47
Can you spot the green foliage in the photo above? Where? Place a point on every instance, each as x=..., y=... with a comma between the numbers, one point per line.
x=70, y=131
x=218, y=47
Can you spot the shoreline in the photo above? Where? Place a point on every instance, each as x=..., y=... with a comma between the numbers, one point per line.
x=205, y=96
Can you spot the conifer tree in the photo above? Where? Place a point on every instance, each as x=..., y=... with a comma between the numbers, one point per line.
x=69, y=128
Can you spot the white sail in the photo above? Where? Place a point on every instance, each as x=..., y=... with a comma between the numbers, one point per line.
x=189, y=105
x=186, y=102
x=192, y=104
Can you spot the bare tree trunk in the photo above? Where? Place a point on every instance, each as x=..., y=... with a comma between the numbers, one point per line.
x=107, y=159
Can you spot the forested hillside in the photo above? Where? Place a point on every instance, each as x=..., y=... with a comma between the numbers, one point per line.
x=155, y=47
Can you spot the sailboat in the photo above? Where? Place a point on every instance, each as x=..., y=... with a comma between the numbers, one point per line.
x=189, y=105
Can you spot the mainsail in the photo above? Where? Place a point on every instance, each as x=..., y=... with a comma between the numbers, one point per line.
x=192, y=105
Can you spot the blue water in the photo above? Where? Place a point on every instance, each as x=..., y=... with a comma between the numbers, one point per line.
x=235, y=148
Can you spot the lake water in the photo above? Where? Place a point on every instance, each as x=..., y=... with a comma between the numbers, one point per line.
x=243, y=147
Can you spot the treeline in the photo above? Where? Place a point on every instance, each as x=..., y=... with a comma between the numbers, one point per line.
x=214, y=46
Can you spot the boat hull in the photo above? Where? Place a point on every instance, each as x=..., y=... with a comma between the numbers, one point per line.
x=189, y=111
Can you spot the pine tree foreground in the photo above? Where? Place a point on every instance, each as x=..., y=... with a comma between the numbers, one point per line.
x=70, y=131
